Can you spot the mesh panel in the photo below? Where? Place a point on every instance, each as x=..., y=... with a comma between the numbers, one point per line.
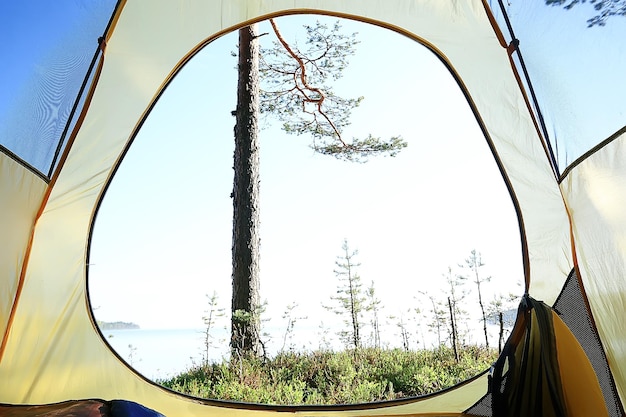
x=45, y=54
x=572, y=309
x=482, y=408
x=580, y=108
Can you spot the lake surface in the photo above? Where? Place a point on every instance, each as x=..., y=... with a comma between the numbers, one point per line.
x=158, y=353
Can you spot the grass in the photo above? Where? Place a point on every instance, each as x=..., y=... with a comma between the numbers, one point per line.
x=327, y=377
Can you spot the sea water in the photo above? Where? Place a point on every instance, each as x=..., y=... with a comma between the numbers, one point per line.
x=161, y=353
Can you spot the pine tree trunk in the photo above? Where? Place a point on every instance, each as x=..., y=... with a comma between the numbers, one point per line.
x=356, y=339
x=482, y=309
x=501, y=335
x=246, y=241
x=454, y=331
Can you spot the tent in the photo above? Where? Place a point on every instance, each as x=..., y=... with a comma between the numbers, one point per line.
x=545, y=82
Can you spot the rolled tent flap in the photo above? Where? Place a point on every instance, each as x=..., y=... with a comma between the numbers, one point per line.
x=543, y=370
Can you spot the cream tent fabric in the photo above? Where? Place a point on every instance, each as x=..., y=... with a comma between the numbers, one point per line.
x=594, y=194
x=50, y=349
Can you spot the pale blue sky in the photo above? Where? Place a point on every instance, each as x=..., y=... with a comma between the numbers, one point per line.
x=163, y=235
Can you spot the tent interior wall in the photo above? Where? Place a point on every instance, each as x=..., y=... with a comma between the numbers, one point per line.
x=51, y=349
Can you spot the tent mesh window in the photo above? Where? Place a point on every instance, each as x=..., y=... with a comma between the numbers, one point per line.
x=49, y=68
x=572, y=308
x=482, y=408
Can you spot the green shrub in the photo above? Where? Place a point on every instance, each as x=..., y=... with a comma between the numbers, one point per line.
x=325, y=377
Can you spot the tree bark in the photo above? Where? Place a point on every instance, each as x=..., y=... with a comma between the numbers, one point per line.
x=501, y=334
x=475, y=262
x=482, y=309
x=246, y=240
x=454, y=331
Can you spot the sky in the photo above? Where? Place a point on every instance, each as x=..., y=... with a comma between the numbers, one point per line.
x=162, y=237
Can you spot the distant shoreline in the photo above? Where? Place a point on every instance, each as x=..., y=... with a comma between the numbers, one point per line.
x=117, y=325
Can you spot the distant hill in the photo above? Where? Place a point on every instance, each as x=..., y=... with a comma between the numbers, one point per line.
x=116, y=325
